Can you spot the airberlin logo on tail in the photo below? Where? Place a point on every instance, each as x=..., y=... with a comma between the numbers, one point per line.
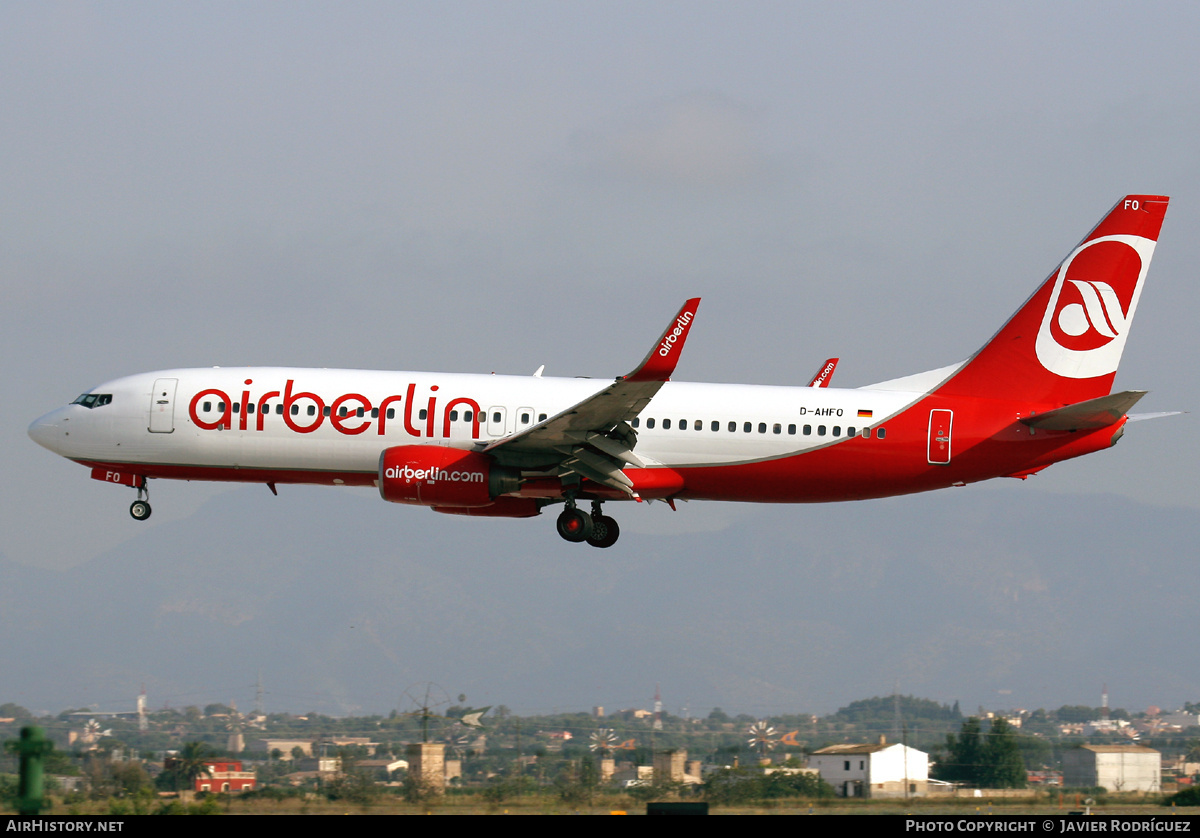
x=1091, y=306
x=1098, y=318
x=681, y=324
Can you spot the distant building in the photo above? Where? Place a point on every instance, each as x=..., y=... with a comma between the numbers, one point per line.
x=355, y=742
x=1118, y=726
x=284, y=746
x=672, y=766
x=1113, y=767
x=225, y=775
x=880, y=770
x=1180, y=720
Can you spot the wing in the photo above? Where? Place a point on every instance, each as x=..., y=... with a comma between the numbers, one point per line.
x=593, y=439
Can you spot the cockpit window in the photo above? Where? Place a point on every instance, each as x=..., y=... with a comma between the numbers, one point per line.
x=90, y=400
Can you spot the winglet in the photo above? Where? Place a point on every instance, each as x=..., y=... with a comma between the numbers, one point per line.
x=822, y=378
x=661, y=360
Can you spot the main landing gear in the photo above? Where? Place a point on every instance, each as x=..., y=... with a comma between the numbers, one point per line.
x=597, y=529
x=140, y=508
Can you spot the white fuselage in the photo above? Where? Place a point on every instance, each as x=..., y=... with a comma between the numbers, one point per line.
x=291, y=420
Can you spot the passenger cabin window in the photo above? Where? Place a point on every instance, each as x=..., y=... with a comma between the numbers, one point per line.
x=820, y=430
x=808, y=430
x=279, y=410
x=792, y=430
x=637, y=420
x=837, y=430
x=746, y=427
x=422, y=413
x=699, y=426
x=525, y=417
x=762, y=427
x=881, y=433
x=716, y=426
x=541, y=417
x=732, y=427
x=667, y=424
x=777, y=428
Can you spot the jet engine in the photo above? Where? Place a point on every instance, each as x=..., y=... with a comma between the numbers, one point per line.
x=434, y=475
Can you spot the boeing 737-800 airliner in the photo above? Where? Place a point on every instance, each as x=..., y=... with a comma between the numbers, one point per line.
x=1038, y=392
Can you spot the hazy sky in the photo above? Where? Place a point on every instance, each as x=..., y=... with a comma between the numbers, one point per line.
x=494, y=186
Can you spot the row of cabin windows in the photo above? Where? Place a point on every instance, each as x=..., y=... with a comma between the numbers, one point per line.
x=526, y=418
x=360, y=412
x=776, y=428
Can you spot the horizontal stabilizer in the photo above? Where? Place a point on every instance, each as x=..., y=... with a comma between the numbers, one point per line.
x=1088, y=415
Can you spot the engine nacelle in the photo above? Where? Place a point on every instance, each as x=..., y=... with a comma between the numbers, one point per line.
x=433, y=475
x=502, y=508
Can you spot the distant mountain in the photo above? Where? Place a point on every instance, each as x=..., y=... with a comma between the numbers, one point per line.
x=1001, y=596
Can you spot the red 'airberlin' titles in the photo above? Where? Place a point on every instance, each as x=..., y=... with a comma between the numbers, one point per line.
x=349, y=424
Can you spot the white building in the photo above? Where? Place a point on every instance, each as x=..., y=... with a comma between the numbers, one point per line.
x=881, y=770
x=1114, y=767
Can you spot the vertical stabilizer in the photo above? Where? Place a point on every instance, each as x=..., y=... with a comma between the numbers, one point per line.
x=1063, y=346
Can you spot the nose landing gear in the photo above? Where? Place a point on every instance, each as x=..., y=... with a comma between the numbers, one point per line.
x=140, y=508
x=597, y=529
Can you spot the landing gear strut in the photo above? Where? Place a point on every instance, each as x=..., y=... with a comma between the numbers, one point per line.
x=140, y=508
x=597, y=529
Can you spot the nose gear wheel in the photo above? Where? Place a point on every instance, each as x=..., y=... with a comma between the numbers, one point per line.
x=140, y=508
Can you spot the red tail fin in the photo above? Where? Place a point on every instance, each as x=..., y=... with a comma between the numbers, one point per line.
x=1064, y=344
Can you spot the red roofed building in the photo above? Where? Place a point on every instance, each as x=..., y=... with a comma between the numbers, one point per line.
x=225, y=775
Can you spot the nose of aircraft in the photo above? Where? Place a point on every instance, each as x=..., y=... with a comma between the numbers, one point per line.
x=45, y=431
